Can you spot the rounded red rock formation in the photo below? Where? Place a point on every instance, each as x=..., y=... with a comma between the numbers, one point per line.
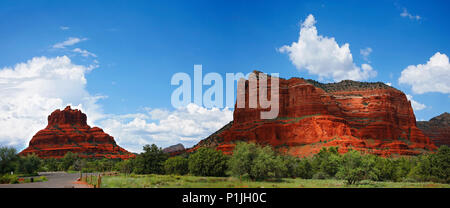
x=67, y=131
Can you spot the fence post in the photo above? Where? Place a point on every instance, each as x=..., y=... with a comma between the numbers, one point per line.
x=99, y=181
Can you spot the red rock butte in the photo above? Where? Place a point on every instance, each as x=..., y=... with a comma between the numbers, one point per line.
x=437, y=128
x=67, y=131
x=370, y=117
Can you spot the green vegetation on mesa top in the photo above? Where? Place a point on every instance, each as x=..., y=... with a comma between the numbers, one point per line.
x=348, y=85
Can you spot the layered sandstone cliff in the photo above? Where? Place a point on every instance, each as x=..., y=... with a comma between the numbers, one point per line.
x=67, y=131
x=437, y=128
x=370, y=117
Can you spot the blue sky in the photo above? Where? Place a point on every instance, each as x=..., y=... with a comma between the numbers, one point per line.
x=136, y=46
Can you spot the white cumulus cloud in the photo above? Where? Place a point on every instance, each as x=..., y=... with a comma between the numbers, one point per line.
x=415, y=105
x=30, y=91
x=434, y=76
x=323, y=56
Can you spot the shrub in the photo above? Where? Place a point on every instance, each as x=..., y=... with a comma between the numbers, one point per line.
x=440, y=163
x=125, y=166
x=291, y=163
x=29, y=164
x=207, y=162
x=256, y=162
x=8, y=178
x=176, y=165
x=385, y=169
x=304, y=169
x=327, y=161
x=267, y=165
x=150, y=161
x=320, y=175
x=68, y=161
x=351, y=169
x=241, y=162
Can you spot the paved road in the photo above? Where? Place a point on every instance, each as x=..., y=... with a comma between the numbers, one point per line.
x=55, y=180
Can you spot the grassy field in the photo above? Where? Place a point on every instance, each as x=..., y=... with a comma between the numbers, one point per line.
x=172, y=181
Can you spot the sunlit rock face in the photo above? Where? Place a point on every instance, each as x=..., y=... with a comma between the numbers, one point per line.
x=67, y=131
x=370, y=117
x=437, y=128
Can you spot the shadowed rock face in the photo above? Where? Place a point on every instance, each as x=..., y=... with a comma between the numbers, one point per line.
x=437, y=128
x=370, y=117
x=67, y=131
x=174, y=149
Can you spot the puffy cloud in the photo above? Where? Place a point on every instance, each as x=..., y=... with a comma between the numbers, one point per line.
x=323, y=56
x=30, y=91
x=69, y=42
x=406, y=14
x=434, y=76
x=186, y=125
x=415, y=105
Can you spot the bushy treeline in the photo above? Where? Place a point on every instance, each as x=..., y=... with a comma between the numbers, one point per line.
x=256, y=162
x=249, y=161
x=11, y=162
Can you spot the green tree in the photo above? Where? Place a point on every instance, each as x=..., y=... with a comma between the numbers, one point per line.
x=257, y=163
x=327, y=161
x=291, y=163
x=385, y=169
x=403, y=166
x=8, y=159
x=440, y=163
x=368, y=165
x=241, y=162
x=79, y=164
x=422, y=170
x=51, y=164
x=104, y=165
x=151, y=160
x=207, y=162
x=125, y=166
x=267, y=165
x=29, y=164
x=176, y=165
x=433, y=167
x=68, y=160
x=304, y=169
x=351, y=169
